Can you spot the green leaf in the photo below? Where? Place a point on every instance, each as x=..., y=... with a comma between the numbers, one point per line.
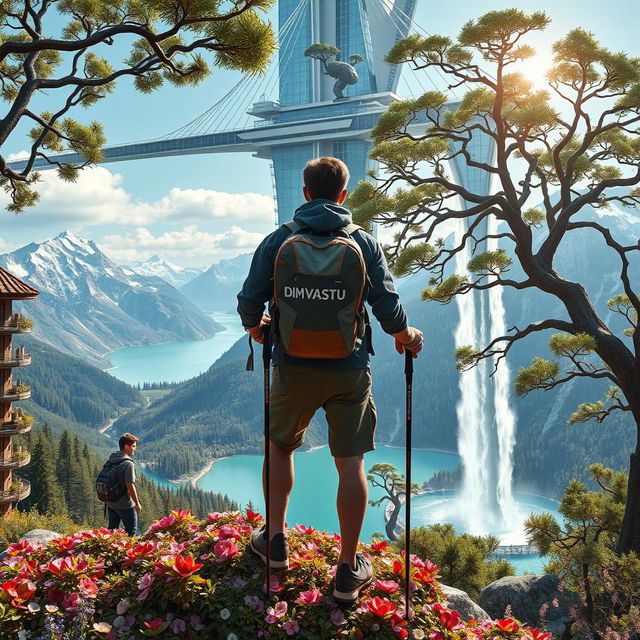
x=467, y=357
x=446, y=290
x=537, y=374
x=412, y=258
x=580, y=344
x=490, y=262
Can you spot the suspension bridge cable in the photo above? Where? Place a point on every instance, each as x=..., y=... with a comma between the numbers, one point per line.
x=271, y=80
x=284, y=63
x=410, y=20
x=290, y=25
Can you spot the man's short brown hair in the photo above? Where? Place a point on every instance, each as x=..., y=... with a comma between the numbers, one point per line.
x=326, y=177
x=125, y=439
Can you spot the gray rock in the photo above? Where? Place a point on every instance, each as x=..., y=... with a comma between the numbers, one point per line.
x=526, y=595
x=461, y=602
x=41, y=535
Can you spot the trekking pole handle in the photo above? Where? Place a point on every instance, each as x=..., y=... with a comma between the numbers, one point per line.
x=408, y=362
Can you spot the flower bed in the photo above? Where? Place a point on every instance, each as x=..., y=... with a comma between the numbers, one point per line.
x=197, y=580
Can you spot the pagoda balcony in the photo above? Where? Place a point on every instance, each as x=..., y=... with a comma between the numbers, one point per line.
x=19, y=326
x=16, y=362
x=14, y=428
x=15, y=461
x=20, y=491
x=14, y=397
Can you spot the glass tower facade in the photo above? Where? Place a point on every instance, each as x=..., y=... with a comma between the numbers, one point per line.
x=353, y=37
x=296, y=80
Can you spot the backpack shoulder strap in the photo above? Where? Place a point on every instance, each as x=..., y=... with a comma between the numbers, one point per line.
x=351, y=228
x=293, y=226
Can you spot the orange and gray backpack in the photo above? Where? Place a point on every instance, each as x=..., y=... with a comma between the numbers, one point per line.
x=319, y=287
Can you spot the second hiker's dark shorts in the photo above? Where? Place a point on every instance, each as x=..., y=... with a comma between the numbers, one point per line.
x=345, y=396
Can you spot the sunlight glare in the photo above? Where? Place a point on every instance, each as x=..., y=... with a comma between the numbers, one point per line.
x=536, y=68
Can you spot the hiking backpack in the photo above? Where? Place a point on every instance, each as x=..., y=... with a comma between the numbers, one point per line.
x=108, y=484
x=319, y=282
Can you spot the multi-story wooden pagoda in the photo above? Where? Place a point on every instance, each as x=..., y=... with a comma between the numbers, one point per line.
x=12, y=421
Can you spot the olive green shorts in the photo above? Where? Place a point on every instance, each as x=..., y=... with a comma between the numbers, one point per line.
x=345, y=396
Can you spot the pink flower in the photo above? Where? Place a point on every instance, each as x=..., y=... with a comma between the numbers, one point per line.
x=146, y=581
x=229, y=531
x=143, y=595
x=337, y=617
x=389, y=586
x=274, y=614
x=226, y=549
x=70, y=601
x=123, y=606
x=291, y=627
x=313, y=596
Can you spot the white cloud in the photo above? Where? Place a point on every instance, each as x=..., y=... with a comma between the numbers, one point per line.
x=187, y=246
x=99, y=197
x=5, y=247
x=21, y=155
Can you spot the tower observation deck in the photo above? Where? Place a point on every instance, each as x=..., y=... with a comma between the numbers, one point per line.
x=292, y=115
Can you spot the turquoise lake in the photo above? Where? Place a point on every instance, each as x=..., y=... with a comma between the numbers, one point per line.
x=314, y=493
x=175, y=361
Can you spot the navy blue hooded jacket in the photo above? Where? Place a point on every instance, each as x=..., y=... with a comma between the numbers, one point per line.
x=323, y=215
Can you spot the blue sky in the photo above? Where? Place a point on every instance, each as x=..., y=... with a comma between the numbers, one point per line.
x=195, y=210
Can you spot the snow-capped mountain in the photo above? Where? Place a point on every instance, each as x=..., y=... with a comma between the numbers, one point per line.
x=217, y=287
x=172, y=273
x=89, y=305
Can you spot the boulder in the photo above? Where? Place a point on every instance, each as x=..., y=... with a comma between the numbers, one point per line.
x=36, y=535
x=461, y=602
x=41, y=535
x=526, y=596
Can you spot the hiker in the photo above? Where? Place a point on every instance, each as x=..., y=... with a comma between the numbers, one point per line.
x=116, y=486
x=338, y=382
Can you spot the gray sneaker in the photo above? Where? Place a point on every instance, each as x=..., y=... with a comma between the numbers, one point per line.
x=349, y=583
x=278, y=550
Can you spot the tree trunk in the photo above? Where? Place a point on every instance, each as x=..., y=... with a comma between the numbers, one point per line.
x=629, y=538
x=392, y=521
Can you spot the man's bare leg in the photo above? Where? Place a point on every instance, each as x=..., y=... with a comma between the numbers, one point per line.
x=282, y=476
x=352, y=505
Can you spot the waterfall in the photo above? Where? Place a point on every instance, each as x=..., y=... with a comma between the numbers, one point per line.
x=486, y=423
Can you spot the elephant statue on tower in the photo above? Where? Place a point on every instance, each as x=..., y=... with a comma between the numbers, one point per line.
x=344, y=72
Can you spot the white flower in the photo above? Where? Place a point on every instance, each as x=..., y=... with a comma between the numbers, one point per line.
x=418, y=634
x=33, y=607
x=232, y=636
x=376, y=627
x=225, y=614
x=23, y=635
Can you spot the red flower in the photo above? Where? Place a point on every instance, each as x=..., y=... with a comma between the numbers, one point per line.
x=378, y=545
x=381, y=607
x=436, y=635
x=156, y=624
x=398, y=567
x=20, y=591
x=185, y=565
x=182, y=515
x=449, y=619
x=252, y=516
x=88, y=587
x=509, y=625
x=536, y=634
x=431, y=568
x=423, y=575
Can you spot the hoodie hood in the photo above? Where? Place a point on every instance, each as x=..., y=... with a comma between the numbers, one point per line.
x=117, y=456
x=322, y=215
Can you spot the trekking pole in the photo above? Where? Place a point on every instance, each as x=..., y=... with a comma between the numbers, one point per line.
x=266, y=361
x=408, y=373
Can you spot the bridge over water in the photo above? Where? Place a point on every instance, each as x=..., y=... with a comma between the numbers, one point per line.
x=289, y=115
